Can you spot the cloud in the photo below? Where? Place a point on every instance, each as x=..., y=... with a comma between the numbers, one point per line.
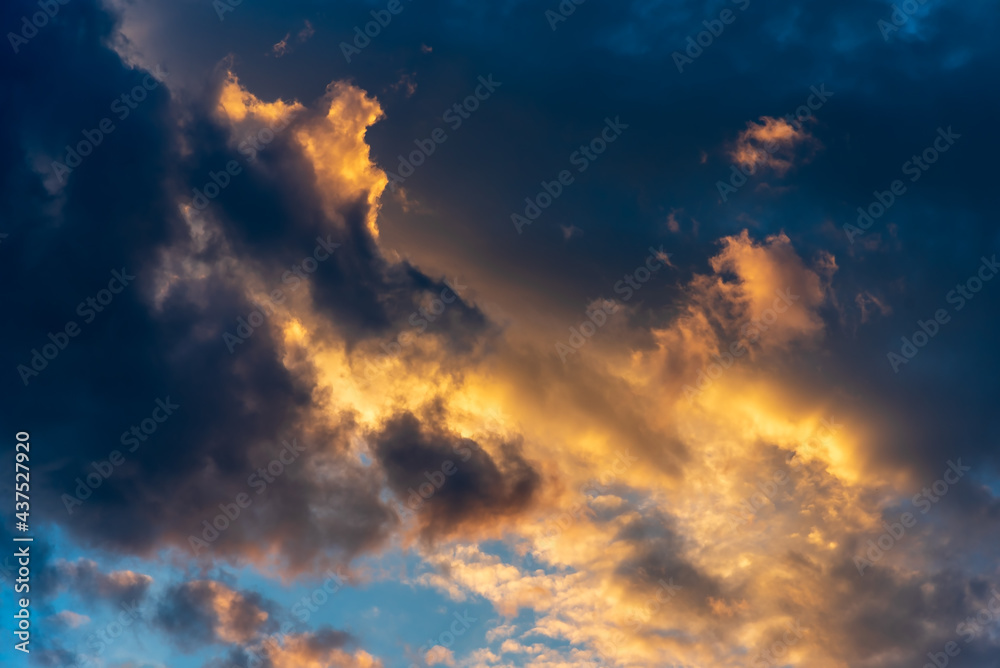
x=69, y=619
x=765, y=272
x=775, y=144
x=439, y=655
x=306, y=32
x=201, y=612
x=548, y=440
x=324, y=648
x=451, y=482
x=85, y=578
x=335, y=145
x=283, y=47
x=500, y=632
x=198, y=271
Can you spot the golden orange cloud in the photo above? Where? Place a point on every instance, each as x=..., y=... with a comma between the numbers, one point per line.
x=693, y=456
x=302, y=651
x=771, y=143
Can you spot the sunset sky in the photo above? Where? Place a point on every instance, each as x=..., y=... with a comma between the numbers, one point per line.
x=545, y=334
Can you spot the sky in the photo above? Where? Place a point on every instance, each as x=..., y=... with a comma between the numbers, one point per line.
x=499, y=335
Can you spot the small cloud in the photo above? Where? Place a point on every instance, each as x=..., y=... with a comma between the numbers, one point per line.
x=724, y=608
x=281, y=48
x=514, y=647
x=85, y=579
x=407, y=82
x=672, y=223
x=208, y=611
x=408, y=203
x=569, y=231
x=425, y=49
x=773, y=143
x=69, y=619
x=869, y=304
x=503, y=631
x=664, y=257
x=306, y=32
x=439, y=655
